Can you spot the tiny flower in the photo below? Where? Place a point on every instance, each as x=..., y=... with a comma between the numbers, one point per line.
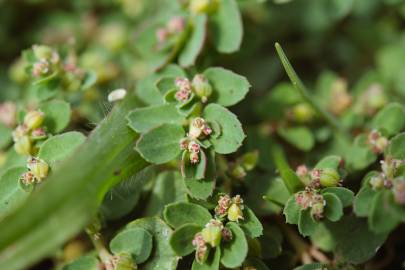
x=34, y=119
x=303, y=173
x=176, y=25
x=377, y=182
x=318, y=206
x=226, y=234
x=183, y=84
x=193, y=147
x=223, y=204
x=184, y=143
x=41, y=68
x=161, y=35
x=117, y=95
x=212, y=233
x=38, y=133
x=182, y=95
x=27, y=178
x=304, y=199
x=198, y=127
x=201, y=87
x=38, y=167
x=377, y=142
x=194, y=158
x=235, y=213
x=23, y=146
x=201, y=253
x=399, y=191
x=207, y=130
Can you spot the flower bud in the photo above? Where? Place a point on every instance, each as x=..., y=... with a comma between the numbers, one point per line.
x=303, y=199
x=194, y=158
x=399, y=191
x=377, y=182
x=235, y=213
x=27, y=178
x=212, y=233
x=317, y=209
x=226, y=234
x=202, y=87
x=302, y=113
x=176, y=25
x=23, y=146
x=38, y=167
x=202, y=6
x=184, y=143
x=329, y=177
x=41, y=68
x=34, y=119
x=223, y=204
x=42, y=51
x=193, y=147
x=377, y=142
x=38, y=134
x=201, y=253
x=19, y=132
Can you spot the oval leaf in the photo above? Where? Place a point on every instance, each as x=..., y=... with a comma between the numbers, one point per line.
x=195, y=43
x=345, y=195
x=251, y=224
x=235, y=251
x=181, y=240
x=334, y=207
x=180, y=213
x=57, y=115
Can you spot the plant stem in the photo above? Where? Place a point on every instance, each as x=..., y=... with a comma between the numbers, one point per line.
x=298, y=84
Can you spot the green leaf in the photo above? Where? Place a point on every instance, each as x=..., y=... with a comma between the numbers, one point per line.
x=212, y=262
x=57, y=115
x=334, y=207
x=390, y=120
x=193, y=171
x=255, y=263
x=146, y=88
x=363, y=199
x=232, y=133
x=355, y=243
x=87, y=262
x=161, y=144
x=360, y=155
x=70, y=197
x=250, y=224
x=382, y=218
x=195, y=43
x=5, y=136
x=57, y=148
x=135, y=241
x=235, y=251
x=162, y=257
x=179, y=213
x=146, y=118
x=396, y=148
x=292, y=211
x=227, y=27
x=203, y=188
x=12, y=194
x=323, y=239
x=306, y=224
x=345, y=195
x=90, y=79
x=329, y=162
x=300, y=137
x=310, y=266
x=229, y=87
x=181, y=240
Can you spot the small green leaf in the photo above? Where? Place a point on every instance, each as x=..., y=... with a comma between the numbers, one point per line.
x=334, y=207
x=180, y=213
x=12, y=194
x=382, y=219
x=229, y=87
x=212, y=262
x=136, y=241
x=306, y=224
x=345, y=195
x=251, y=224
x=195, y=43
x=87, y=262
x=146, y=118
x=5, y=136
x=363, y=199
x=300, y=137
x=390, y=120
x=255, y=263
x=181, y=240
x=232, y=133
x=146, y=88
x=203, y=188
x=161, y=144
x=310, y=266
x=57, y=115
x=235, y=251
x=329, y=162
x=360, y=155
x=90, y=79
x=59, y=147
x=396, y=148
x=162, y=257
x=227, y=27
x=193, y=171
x=292, y=211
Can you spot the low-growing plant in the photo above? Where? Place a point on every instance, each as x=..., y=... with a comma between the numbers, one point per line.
x=184, y=163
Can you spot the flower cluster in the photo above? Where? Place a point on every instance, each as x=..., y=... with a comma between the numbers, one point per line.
x=387, y=179
x=37, y=171
x=31, y=130
x=377, y=142
x=199, y=86
x=211, y=235
x=311, y=198
x=232, y=208
x=171, y=30
x=317, y=178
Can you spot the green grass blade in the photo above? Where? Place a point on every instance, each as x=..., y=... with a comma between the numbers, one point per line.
x=69, y=198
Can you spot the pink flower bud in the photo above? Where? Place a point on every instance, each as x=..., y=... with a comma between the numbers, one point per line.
x=176, y=25
x=194, y=158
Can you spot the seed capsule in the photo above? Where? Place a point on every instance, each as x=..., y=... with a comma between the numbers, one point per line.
x=201, y=87
x=329, y=177
x=235, y=213
x=212, y=233
x=38, y=167
x=34, y=119
x=23, y=146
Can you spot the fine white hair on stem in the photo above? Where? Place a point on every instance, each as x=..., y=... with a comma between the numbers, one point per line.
x=117, y=94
